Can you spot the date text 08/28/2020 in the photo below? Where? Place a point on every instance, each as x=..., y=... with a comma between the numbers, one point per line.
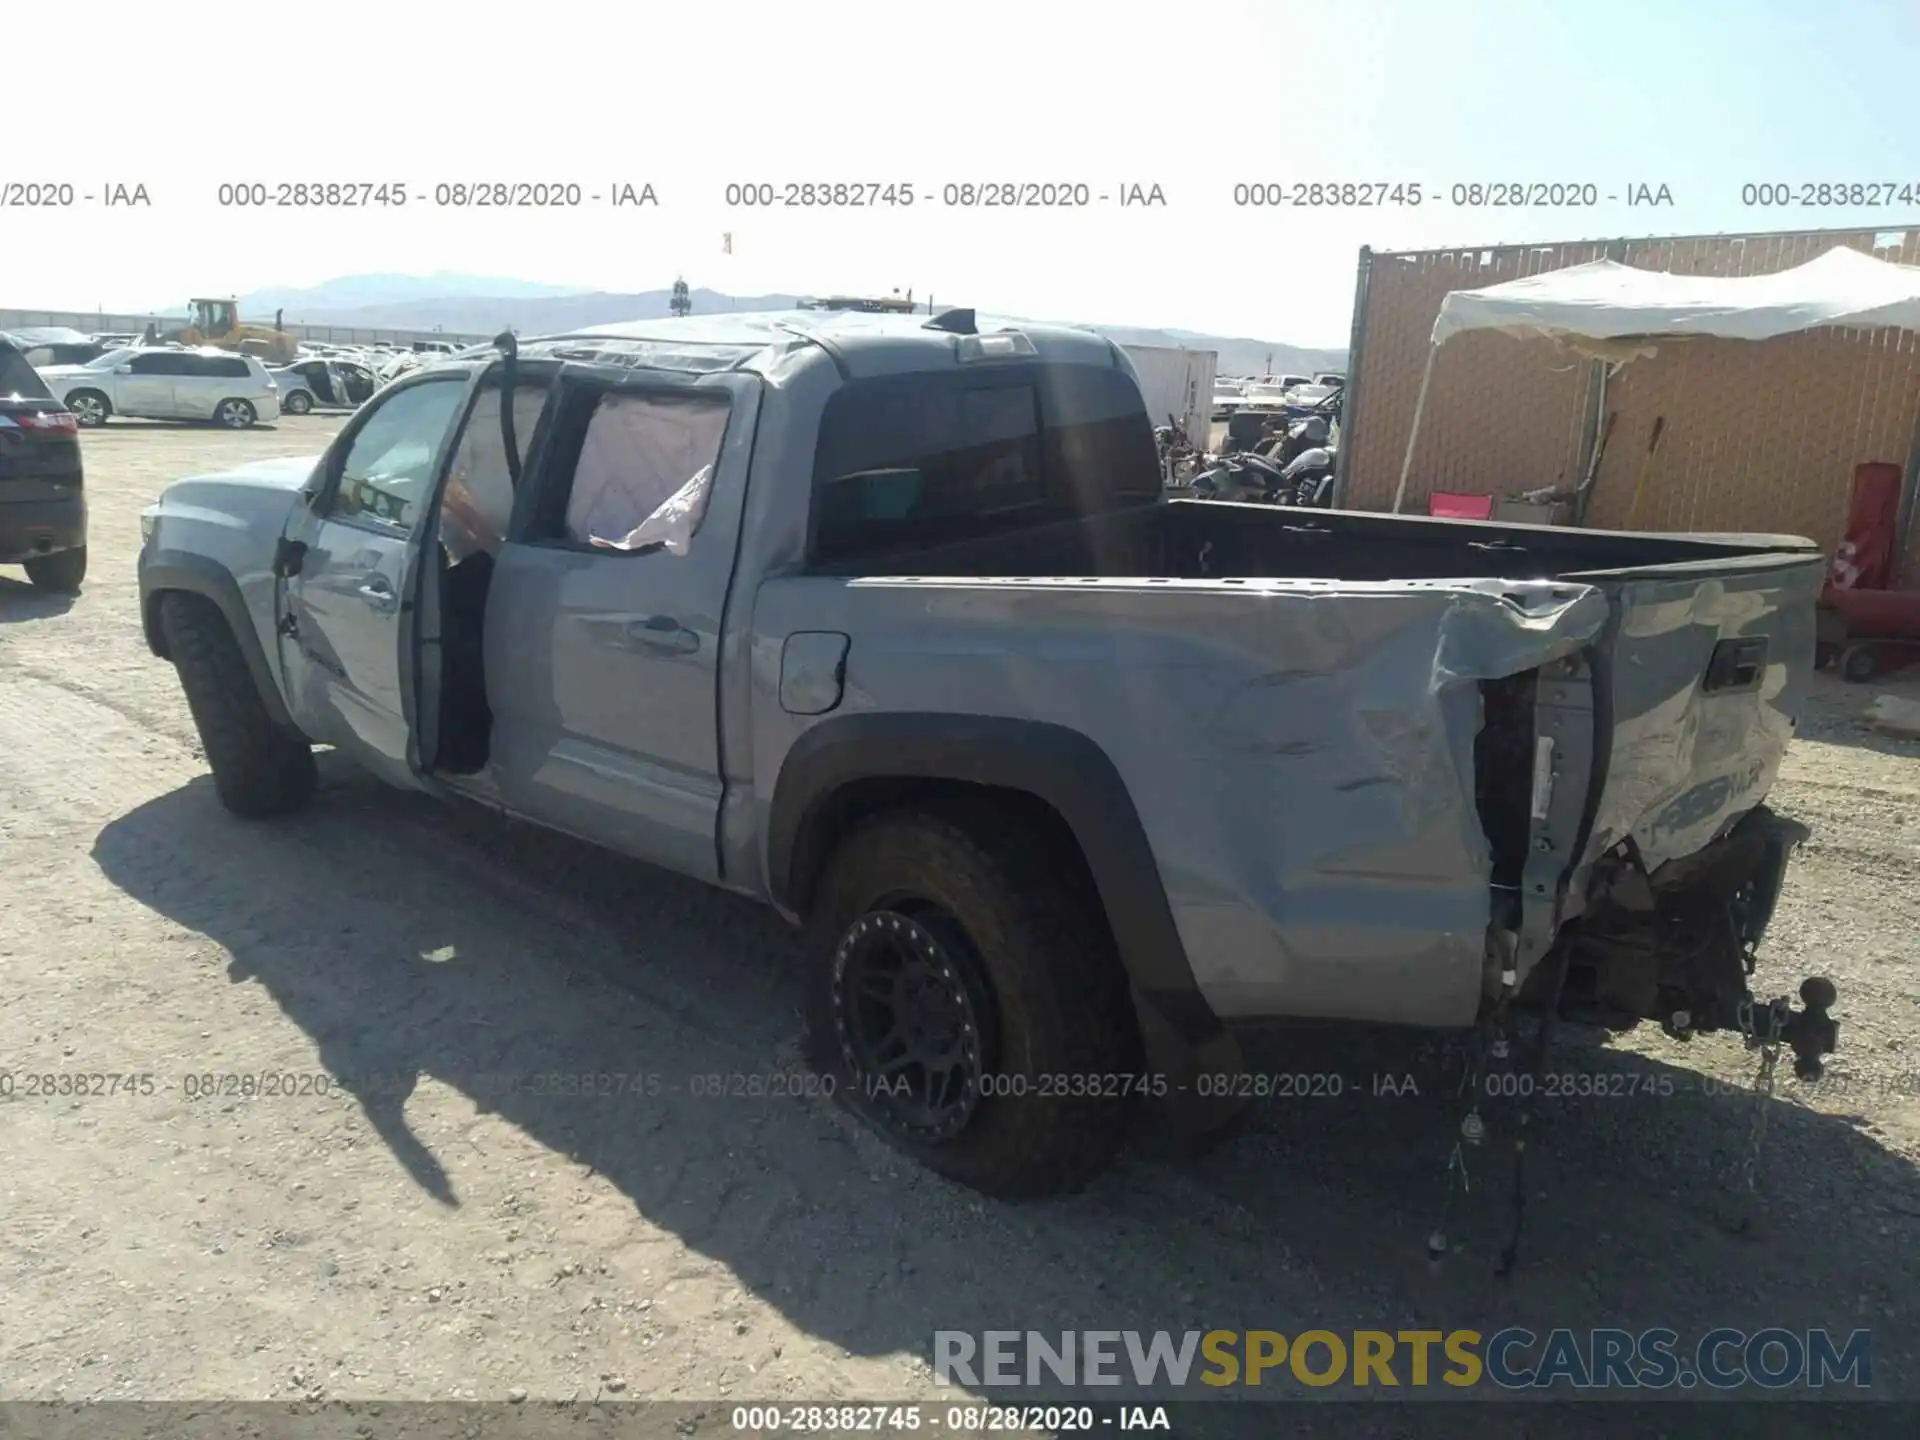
x=1317, y=1086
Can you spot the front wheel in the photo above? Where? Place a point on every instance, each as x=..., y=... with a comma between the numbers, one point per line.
x=236, y=414
x=61, y=572
x=966, y=1001
x=259, y=768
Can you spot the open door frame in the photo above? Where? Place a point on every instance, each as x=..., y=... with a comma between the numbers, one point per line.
x=423, y=619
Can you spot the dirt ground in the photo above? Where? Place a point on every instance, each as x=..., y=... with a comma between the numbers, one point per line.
x=445, y=1229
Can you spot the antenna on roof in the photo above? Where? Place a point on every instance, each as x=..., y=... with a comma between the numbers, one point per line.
x=954, y=322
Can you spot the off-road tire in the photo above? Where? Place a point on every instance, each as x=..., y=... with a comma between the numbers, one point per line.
x=1059, y=996
x=1859, y=663
x=61, y=572
x=260, y=769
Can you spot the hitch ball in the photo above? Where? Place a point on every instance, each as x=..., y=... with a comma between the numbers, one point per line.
x=1813, y=1033
x=1817, y=993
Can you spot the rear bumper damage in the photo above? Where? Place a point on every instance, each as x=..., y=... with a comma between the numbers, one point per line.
x=1678, y=946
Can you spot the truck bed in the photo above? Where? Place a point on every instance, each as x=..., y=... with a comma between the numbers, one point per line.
x=1369, y=745
x=1199, y=539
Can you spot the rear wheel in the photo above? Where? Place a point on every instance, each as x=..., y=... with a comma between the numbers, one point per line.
x=62, y=571
x=90, y=408
x=966, y=1001
x=1859, y=663
x=235, y=414
x=298, y=403
x=259, y=768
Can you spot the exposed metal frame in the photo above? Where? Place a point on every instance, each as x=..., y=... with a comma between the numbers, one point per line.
x=1350, y=397
x=1597, y=374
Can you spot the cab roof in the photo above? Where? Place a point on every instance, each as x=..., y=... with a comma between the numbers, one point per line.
x=771, y=342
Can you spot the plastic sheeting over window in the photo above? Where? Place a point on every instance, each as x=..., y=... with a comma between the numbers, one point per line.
x=644, y=471
x=479, y=495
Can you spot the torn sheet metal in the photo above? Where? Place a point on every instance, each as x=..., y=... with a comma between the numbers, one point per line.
x=1301, y=753
x=1689, y=752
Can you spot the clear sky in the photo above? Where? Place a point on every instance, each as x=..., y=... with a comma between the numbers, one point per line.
x=183, y=97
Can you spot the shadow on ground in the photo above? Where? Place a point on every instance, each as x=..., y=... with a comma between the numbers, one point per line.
x=21, y=602
x=1834, y=707
x=548, y=956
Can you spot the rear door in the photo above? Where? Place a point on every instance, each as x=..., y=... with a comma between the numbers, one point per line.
x=148, y=390
x=602, y=661
x=213, y=378
x=342, y=635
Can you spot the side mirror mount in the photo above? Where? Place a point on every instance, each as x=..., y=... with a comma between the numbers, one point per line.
x=316, y=483
x=123, y=369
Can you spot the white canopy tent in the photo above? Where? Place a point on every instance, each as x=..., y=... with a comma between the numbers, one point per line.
x=1616, y=311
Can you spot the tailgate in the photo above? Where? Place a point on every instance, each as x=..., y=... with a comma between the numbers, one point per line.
x=1696, y=688
x=39, y=451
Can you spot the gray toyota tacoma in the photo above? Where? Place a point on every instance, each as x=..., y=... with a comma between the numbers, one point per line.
x=886, y=621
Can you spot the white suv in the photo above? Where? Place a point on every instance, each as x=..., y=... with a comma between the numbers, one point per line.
x=167, y=383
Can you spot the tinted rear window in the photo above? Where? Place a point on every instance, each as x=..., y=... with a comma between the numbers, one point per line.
x=919, y=460
x=214, y=365
x=18, y=378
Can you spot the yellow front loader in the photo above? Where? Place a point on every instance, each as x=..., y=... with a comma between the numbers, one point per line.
x=217, y=322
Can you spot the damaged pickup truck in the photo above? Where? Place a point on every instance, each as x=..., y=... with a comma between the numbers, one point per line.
x=885, y=621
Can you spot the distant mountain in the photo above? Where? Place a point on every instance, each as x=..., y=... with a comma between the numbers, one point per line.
x=469, y=305
x=357, y=292
x=529, y=314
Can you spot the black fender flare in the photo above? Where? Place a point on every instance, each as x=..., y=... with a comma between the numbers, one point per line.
x=1052, y=763
x=165, y=570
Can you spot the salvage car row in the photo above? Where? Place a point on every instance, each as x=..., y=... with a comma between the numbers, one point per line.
x=44, y=406
x=100, y=377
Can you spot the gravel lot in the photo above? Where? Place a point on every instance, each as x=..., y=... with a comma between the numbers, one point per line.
x=440, y=1235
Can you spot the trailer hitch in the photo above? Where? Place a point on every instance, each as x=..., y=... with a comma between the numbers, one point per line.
x=1812, y=1034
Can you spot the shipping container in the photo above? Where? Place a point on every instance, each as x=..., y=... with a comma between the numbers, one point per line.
x=1177, y=382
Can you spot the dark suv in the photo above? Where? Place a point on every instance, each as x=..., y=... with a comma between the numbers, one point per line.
x=43, y=504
